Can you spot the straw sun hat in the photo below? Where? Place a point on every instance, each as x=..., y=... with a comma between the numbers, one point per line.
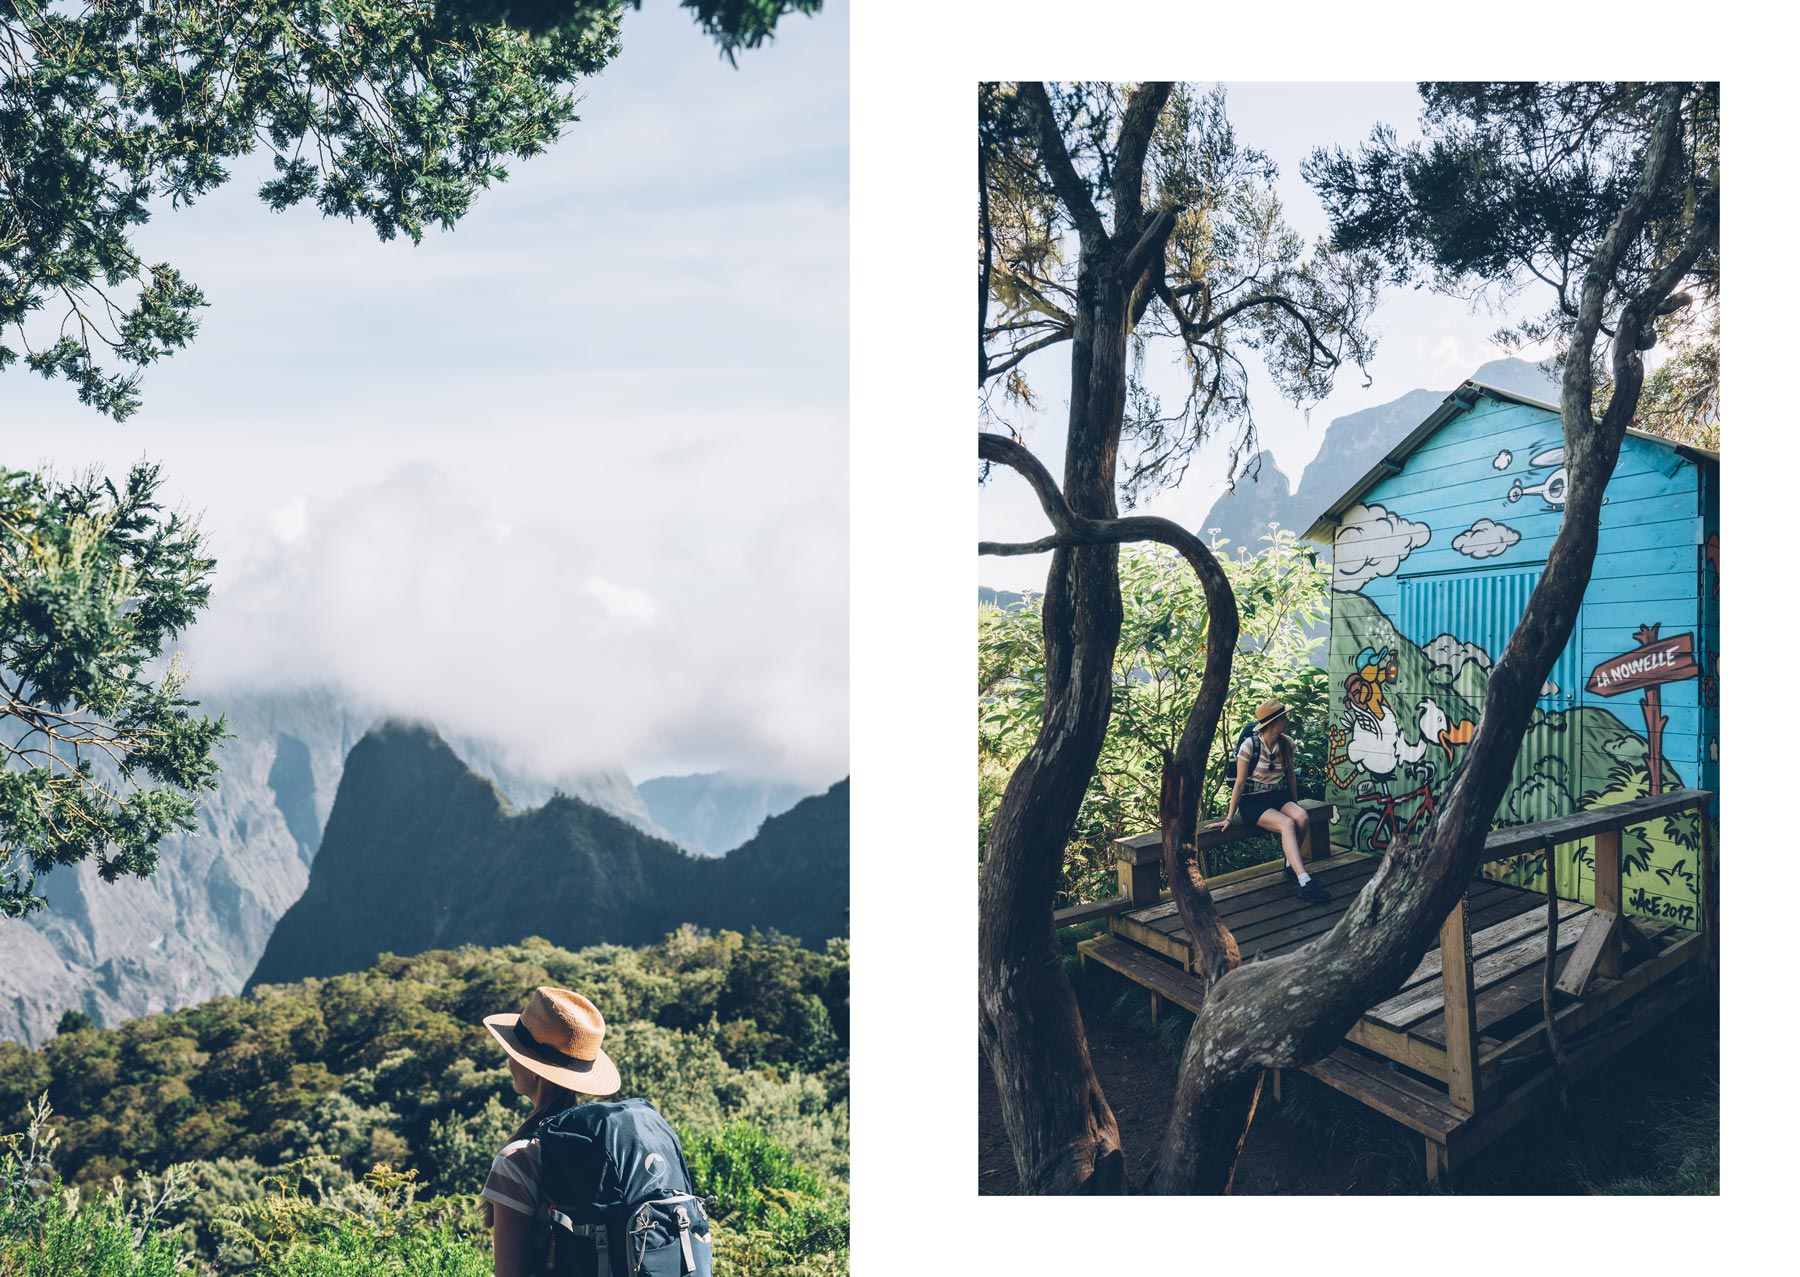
x=557, y=1037
x=1268, y=712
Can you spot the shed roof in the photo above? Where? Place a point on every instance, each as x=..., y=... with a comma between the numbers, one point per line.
x=1458, y=401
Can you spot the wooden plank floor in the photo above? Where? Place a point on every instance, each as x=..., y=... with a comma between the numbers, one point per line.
x=1507, y=944
x=1393, y=1060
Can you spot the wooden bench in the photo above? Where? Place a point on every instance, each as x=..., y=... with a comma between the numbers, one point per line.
x=1140, y=863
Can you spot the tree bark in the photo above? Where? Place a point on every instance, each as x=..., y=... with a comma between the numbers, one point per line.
x=1064, y=1135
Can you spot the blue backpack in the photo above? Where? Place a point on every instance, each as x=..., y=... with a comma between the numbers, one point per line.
x=622, y=1201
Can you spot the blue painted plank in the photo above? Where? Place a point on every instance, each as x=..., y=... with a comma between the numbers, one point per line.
x=1429, y=496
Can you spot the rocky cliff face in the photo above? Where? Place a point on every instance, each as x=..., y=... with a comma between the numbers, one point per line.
x=197, y=928
x=422, y=853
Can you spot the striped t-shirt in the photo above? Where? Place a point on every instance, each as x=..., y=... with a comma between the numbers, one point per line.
x=513, y=1183
x=1269, y=773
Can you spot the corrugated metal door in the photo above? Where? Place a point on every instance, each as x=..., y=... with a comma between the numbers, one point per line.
x=1464, y=617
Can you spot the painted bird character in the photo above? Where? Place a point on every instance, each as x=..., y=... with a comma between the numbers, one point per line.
x=1434, y=724
x=1374, y=670
x=1378, y=745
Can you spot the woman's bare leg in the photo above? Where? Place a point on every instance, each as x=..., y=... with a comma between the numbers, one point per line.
x=1277, y=822
x=1302, y=822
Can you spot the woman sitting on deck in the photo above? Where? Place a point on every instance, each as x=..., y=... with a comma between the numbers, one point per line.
x=1267, y=794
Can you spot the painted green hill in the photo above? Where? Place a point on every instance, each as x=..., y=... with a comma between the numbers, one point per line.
x=1548, y=779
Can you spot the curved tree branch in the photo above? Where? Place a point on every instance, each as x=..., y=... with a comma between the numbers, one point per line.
x=1184, y=767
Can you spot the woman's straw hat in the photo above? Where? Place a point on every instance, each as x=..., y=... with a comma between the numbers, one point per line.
x=1268, y=712
x=557, y=1037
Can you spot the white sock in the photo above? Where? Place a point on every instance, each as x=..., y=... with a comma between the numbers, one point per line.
x=1305, y=877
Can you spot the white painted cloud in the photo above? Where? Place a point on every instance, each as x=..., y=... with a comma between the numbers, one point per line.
x=1484, y=539
x=1372, y=541
x=1447, y=649
x=1502, y=459
x=572, y=647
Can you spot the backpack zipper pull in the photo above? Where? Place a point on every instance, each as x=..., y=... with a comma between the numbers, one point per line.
x=687, y=1244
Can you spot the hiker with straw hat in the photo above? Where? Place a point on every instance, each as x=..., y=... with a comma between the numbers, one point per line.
x=554, y=1049
x=1267, y=794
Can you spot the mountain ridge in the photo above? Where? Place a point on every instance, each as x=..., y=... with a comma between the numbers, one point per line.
x=421, y=852
x=197, y=927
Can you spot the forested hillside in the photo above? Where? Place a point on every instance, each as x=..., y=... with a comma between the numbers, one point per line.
x=197, y=927
x=741, y=1042
x=422, y=852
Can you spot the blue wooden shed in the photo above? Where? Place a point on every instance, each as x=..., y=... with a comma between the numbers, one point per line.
x=1435, y=551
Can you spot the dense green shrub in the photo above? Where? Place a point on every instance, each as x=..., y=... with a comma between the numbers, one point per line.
x=1283, y=597
x=343, y=1126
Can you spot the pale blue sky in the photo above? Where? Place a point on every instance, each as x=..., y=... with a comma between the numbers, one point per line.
x=595, y=436
x=1425, y=340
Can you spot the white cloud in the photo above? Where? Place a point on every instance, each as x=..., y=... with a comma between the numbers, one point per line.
x=1447, y=649
x=569, y=646
x=1484, y=539
x=1372, y=541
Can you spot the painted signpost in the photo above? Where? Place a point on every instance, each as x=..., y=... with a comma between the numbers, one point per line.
x=1652, y=663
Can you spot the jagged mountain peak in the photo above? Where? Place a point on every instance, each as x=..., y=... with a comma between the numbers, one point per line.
x=422, y=852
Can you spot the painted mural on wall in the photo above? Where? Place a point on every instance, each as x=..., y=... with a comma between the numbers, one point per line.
x=1431, y=573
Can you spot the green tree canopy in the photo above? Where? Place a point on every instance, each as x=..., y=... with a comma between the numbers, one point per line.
x=733, y=24
x=394, y=111
x=100, y=754
x=1234, y=280
x=1519, y=185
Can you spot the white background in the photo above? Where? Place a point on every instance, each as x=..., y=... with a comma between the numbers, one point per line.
x=913, y=511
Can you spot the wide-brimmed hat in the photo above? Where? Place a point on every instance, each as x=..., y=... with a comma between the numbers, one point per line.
x=1268, y=712
x=557, y=1037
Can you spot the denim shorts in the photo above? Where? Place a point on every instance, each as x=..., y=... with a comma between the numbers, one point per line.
x=1252, y=806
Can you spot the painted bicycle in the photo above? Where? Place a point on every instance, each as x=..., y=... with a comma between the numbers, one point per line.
x=1377, y=827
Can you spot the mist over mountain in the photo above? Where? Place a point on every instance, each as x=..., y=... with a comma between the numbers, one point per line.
x=198, y=926
x=422, y=853
x=712, y=812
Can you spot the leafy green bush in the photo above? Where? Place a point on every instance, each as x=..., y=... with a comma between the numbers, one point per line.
x=47, y=1231
x=308, y=1223
x=772, y=1215
x=343, y=1126
x=1283, y=596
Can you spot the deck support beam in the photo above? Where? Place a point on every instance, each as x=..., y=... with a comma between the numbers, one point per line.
x=1461, y=1049
x=1609, y=893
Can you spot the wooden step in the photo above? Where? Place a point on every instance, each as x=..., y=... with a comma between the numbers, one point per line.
x=1407, y=1100
x=1139, y=967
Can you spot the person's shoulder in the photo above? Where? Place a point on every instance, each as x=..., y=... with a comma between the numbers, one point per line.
x=519, y=1155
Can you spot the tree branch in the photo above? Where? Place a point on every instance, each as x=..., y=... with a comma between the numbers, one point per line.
x=1135, y=132
x=1578, y=371
x=1070, y=189
x=1184, y=766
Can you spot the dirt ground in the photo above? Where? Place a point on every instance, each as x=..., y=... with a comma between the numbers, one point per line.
x=1648, y=1123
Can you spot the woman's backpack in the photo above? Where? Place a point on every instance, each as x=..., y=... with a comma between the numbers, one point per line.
x=622, y=1201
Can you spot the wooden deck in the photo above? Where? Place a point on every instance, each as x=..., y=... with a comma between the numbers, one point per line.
x=1617, y=980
